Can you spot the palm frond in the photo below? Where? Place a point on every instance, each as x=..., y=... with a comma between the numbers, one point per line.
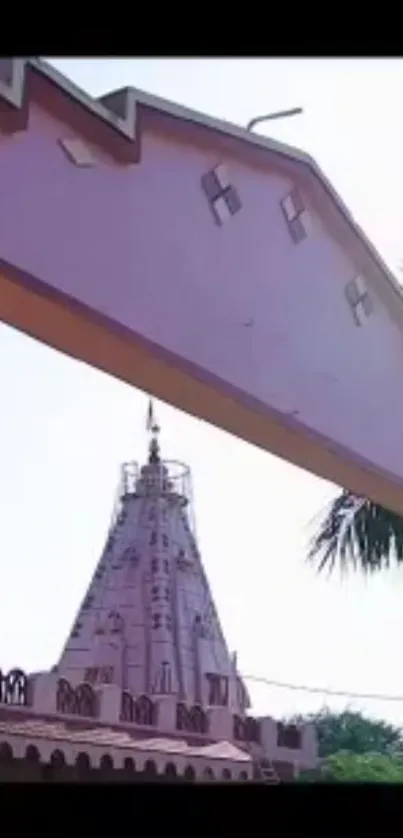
x=357, y=534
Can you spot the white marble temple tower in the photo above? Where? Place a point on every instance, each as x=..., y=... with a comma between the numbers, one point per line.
x=148, y=622
x=146, y=670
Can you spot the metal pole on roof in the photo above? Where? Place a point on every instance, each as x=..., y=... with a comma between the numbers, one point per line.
x=276, y=115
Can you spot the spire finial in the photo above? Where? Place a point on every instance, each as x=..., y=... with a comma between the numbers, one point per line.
x=154, y=429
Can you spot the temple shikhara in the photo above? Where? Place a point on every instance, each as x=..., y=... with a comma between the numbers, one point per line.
x=145, y=687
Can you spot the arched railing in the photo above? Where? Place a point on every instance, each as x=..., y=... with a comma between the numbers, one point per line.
x=191, y=720
x=76, y=701
x=14, y=688
x=139, y=711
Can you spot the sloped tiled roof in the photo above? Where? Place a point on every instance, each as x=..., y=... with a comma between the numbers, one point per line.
x=42, y=729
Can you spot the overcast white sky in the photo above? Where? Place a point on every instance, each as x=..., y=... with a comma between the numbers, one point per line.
x=66, y=428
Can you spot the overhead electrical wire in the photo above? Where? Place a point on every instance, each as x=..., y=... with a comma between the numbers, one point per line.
x=323, y=690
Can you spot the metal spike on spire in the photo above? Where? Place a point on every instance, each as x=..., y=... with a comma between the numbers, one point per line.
x=154, y=429
x=150, y=413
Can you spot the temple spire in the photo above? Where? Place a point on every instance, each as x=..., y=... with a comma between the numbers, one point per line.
x=153, y=429
x=148, y=622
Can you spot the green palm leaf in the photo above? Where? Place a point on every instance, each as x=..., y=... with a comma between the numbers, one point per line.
x=357, y=534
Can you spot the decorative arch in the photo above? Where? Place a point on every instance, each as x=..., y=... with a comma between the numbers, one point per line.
x=243, y=776
x=106, y=763
x=126, y=707
x=189, y=773
x=198, y=720
x=14, y=687
x=86, y=700
x=6, y=752
x=226, y=774
x=182, y=720
x=144, y=712
x=193, y=720
x=57, y=759
x=65, y=697
x=150, y=768
x=83, y=762
x=208, y=775
x=32, y=755
x=81, y=701
x=129, y=765
x=170, y=770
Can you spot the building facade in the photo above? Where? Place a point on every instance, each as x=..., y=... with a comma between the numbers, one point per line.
x=207, y=264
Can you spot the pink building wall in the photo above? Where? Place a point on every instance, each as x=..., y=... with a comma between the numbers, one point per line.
x=140, y=245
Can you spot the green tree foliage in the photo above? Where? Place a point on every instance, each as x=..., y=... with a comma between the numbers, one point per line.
x=354, y=732
x=354, y=748
x=347, y=767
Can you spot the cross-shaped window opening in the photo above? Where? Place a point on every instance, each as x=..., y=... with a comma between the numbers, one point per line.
x=359, y=299
x=222, y=196
x=294, y=212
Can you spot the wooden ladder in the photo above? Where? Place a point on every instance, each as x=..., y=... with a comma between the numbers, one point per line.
x=264, y=772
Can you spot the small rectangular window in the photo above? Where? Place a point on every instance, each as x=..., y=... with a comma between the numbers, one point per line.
x=288, y=736
x=106, y=675
x=91, y=675
x=156, y=620
x=88, y=601
x=217, y=690
x=100, y=675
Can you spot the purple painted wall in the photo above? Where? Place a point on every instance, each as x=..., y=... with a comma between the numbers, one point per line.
x=140, y=244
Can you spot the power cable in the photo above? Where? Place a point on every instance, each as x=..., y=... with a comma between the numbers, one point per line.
x=323, y=690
